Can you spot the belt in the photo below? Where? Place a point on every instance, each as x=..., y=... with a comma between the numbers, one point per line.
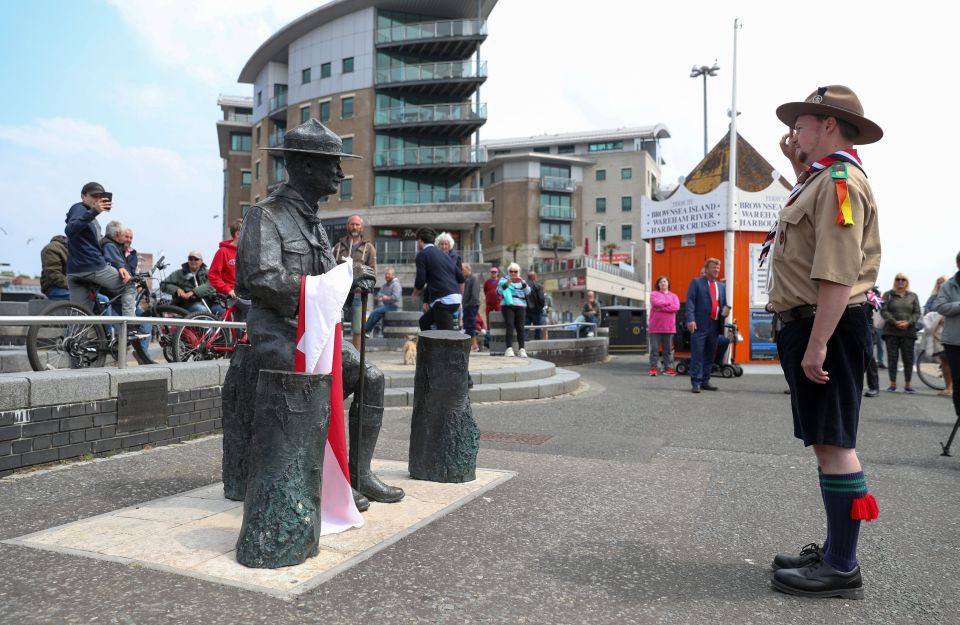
x=807, y=311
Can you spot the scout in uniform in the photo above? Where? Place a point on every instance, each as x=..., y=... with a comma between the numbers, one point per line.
x=824, y=255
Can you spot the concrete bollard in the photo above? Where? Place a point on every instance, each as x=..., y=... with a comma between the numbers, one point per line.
x=444, y=437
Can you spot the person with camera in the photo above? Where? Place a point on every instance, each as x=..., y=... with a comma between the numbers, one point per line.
x=87, y=265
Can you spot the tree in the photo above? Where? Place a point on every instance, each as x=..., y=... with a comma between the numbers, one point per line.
x=556, y=239
x=513, y=248
x=609, y=249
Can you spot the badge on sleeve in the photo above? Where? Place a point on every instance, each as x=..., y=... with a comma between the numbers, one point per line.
x=838, y=171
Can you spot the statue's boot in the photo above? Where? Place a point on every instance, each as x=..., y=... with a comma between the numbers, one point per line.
x=362, y=478
x=362, y=503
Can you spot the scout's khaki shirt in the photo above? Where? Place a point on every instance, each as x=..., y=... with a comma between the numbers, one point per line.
x=810, y=246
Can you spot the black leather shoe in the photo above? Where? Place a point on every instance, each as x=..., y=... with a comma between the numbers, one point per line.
x=709, y=387
x=871, y=392
x=695, y=389
x=809, y=554
x=820, y=580
x=363, y=504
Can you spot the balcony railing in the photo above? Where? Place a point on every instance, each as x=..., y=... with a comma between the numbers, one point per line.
x=431, y=30
x=431, y=71
x=277, y=102
x=581, y=262
x=432, y=196
x=553, y=211
x=275, y=140
x=418, y=114
x=547, y=241
x=553, y=183
x=238, y=117
x=431, y=156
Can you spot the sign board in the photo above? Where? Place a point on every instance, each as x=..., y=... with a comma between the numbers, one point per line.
x=141, y=405
x=762, y=345
x=758, y=277
x=658, y=244
x=757, y=212
x=688, y=240
x=684, y=212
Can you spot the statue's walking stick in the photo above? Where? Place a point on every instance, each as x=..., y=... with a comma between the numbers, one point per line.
x=358, y=396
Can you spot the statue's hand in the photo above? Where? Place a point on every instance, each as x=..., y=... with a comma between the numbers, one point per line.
x=364, y=277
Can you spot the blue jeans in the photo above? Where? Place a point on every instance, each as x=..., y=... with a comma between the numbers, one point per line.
x=58, y=292
x=374, y=318
x=703, y=346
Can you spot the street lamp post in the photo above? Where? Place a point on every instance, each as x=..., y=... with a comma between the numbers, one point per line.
x=704, y=71
x=599, y=225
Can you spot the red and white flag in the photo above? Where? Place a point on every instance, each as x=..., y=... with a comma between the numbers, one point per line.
x=319, y=333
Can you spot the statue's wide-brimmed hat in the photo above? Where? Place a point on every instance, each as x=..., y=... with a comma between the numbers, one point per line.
x=836, y=101
x=312, y=137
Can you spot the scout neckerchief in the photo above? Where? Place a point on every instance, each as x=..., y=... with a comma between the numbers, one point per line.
x=838, y=171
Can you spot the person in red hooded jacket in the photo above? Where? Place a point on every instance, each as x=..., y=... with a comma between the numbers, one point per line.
x=223, y=271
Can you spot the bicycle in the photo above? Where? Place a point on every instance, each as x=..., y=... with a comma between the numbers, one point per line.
x=929, y=366
x=195, y=343
x=75, y=344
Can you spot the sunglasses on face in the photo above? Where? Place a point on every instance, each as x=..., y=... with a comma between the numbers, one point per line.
x=193, y=258
x=901, y=279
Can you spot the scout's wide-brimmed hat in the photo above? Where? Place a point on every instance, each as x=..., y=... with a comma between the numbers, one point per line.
x=836, y=101
x=312, y=137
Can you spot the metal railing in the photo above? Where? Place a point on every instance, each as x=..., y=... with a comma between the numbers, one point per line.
x=275, y=139
x=277, y=102
x=431, y=30
x=557, y=211
x=430, y=196
x=420, y=113
x=240, y=117
x=555, y=183
x=582, y=262
x=547, y=242
x=431, y=156
x=450, y=70
x=109, y=320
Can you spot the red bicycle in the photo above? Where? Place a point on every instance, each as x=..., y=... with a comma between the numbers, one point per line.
x=196, y=343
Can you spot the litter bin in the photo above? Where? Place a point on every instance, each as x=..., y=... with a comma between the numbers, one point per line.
x=627, y=326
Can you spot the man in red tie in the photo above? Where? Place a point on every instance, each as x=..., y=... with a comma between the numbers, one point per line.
x=706, y=300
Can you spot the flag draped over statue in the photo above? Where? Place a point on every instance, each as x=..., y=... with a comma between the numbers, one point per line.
x=319, y=333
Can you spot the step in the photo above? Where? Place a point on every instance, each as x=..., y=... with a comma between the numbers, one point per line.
x=531, y=369
x=561, y=382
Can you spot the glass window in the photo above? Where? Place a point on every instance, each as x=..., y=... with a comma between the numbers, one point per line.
x=348, y=145
x=606, y=146
x=555, y=171
x=305, y=76
x=542, y=150
x=325, y=70
x=603, y=233
x=246, y=178
x=244, y=207
x=601, y=204
x=493, y=177
x=304, y=114
x=258, y=135
x=493, y=207
x=565, y=149
x=259, y=98
x=348, y=65
x=346, y=189
x=626, y=203
x=626, y=173
x=240, y=142
x=601, y=174
x=626, y=232
x=256, y=169
x=325, y=111
x=346, y=108
x=492, y=232
x=278, y=170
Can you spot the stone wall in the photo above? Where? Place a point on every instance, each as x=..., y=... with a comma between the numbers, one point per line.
x=48, y=416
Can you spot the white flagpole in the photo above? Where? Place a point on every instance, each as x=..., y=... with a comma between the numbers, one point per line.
x=729, y=235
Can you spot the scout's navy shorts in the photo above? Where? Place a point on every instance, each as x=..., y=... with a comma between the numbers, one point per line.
x=827, y=414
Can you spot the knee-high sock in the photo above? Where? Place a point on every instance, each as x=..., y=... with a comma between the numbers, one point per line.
x=847, y=502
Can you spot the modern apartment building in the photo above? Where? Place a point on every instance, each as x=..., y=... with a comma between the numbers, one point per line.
x=399, y=81
x=233, y=135
x=556, y=200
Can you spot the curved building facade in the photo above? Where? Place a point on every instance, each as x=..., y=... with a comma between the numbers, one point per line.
x=400, y=82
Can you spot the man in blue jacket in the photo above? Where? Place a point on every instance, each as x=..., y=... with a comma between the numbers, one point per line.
x=706, y=301
x=439, y=273
x=86, y=264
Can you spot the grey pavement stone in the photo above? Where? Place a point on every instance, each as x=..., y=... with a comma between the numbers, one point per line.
x=14, y=392
x=550, y=388
x=514, y=391
x=224, y=365
x=68, y=387
x=194, y=375
x=393, y=397
x=484, y=393
x=138, y=374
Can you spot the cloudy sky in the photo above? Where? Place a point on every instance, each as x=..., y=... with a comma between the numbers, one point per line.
x=124, y=92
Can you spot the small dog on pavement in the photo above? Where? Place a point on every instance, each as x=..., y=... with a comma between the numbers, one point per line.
x=410, y=350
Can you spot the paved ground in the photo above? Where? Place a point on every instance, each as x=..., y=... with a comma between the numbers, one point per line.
x=647, y=505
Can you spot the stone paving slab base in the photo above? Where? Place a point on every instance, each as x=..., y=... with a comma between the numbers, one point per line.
x=195, y=533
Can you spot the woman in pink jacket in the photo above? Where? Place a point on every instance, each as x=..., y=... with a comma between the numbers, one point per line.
x=662, y=325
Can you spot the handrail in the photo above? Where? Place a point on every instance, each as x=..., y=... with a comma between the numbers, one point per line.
x=38, y=320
